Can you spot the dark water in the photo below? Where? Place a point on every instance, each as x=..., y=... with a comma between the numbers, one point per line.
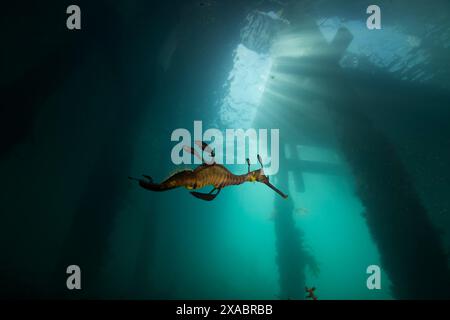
x=364, y=144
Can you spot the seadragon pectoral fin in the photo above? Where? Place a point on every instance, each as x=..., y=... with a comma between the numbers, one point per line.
x=206, y=196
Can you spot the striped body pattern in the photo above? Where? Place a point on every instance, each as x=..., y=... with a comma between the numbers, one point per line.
x=215, y=175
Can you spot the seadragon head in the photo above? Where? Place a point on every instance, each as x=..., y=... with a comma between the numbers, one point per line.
x=259, y=176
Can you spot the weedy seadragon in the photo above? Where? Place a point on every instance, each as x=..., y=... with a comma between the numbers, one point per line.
x=207, y=174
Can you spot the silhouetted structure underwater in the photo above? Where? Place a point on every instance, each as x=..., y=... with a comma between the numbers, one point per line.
x=411, y=250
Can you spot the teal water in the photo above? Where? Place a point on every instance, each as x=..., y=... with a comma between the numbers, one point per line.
x=102, y=106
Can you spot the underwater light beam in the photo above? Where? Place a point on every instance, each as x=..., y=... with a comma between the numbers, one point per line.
x=246, y=84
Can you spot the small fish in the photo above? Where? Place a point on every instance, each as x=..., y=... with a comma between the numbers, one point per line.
x=297, y=211
x=301, y=211
x=311, y=294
